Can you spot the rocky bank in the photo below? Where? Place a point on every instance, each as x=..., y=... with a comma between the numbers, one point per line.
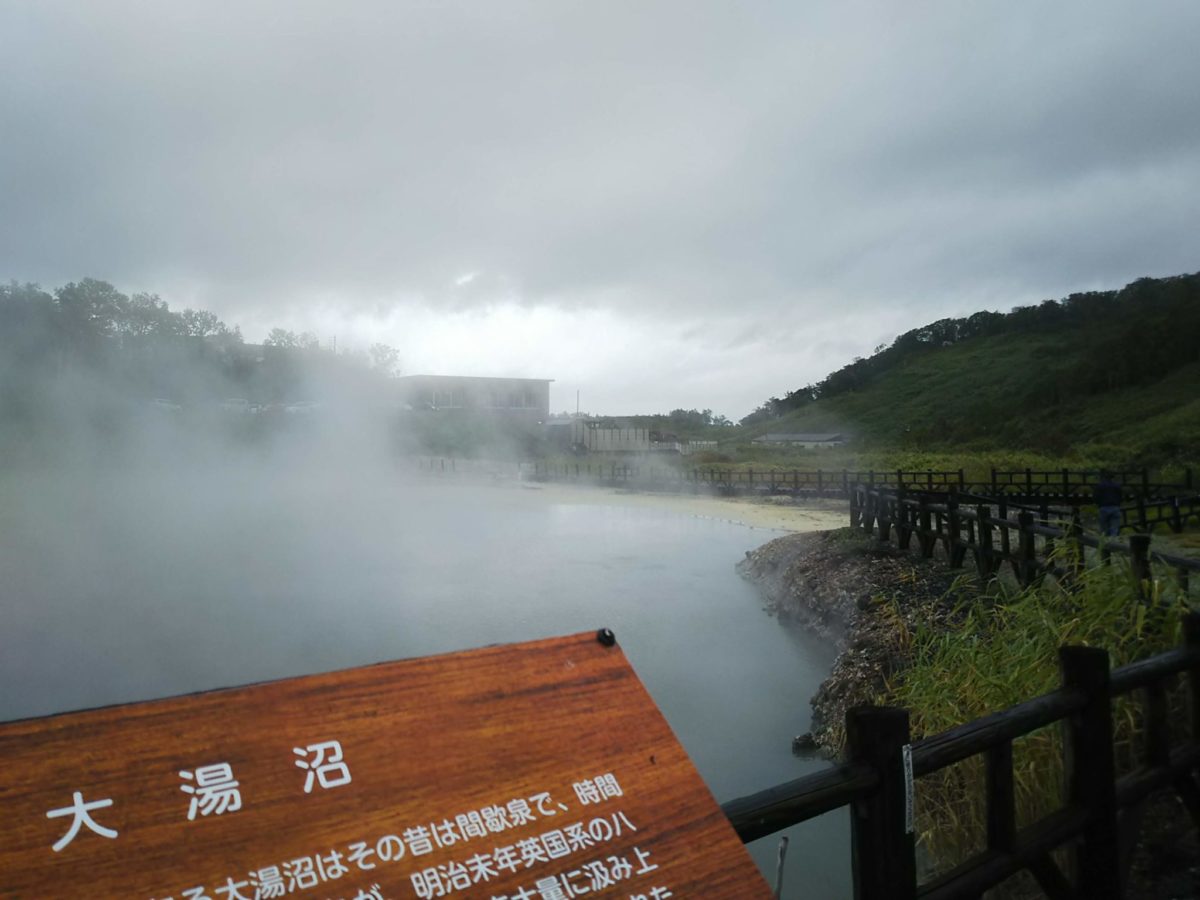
x=861, y=594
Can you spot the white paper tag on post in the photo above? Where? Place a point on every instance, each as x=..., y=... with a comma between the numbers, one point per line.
x=906, y=755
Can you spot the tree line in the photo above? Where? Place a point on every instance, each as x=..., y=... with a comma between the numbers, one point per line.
x=1120, y=338
x=86, y=359
x=143, y=348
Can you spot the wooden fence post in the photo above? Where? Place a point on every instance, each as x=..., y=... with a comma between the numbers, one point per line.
x=1027, y=549
x=1001, y=803
x=855, y=510
x=1091, y=772
x=884, y=517
x=983, y=549
x=1191, y=640
x=955, y=551
x=1005, y=538
x=903, y=529
x=1185, y=784
x=883, y=856
x=926, y=540
x=1139, y=565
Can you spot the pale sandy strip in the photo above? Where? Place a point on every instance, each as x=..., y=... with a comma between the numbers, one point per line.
x=777, y=513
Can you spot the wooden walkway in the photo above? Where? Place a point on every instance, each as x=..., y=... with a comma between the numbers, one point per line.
x=1061, y=486
x=1032, y=545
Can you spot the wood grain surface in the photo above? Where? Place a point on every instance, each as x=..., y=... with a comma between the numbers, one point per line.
x=533, y=770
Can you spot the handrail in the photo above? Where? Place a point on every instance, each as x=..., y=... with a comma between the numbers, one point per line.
x=775, y=808
x=1068, y=485
x=975, y=737
x=874, y=785
x=1146, y=672
x=911, y=514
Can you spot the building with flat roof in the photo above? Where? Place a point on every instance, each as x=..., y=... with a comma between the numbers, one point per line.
x=801, y=440
x=527, y=399
x=580, y=435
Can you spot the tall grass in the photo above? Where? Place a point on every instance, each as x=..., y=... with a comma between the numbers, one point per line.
x=1002, y=650
x=738, y=453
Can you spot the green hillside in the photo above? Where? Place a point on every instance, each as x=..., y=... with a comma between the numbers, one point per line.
x=1112, y=376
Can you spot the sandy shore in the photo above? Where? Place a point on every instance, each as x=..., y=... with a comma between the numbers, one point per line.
x=778, y=513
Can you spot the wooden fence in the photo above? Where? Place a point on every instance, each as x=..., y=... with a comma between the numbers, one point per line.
x=1150, y=503
x=1099, y=822
x=1064, y=486
x=818, y=483
x=1077, y=484
x=1032, y=546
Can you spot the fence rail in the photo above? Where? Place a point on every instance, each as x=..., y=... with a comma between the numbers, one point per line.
x=1027, y=544
x=1069, y=487
x=1151, y=504
x=1077, y=484
x=1101, y=816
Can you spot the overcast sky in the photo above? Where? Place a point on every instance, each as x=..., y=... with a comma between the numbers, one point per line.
x=659, y=204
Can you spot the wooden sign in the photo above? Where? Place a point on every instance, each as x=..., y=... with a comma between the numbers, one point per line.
x=535, y=771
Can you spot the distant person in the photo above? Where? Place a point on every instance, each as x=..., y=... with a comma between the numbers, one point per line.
x=1108, y=497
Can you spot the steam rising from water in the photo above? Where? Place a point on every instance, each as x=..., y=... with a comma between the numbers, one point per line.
x=182, y=558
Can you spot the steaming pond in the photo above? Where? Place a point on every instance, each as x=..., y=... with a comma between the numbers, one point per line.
x=127, y=588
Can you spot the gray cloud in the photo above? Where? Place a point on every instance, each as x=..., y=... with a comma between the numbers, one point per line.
x=761, y=167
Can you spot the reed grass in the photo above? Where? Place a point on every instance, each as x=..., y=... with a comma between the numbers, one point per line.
x=1002, y=649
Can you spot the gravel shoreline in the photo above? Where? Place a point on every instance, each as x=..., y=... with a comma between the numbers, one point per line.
x=860, y=594
x=775, y=513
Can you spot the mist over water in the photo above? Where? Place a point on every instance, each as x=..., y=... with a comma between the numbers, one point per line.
x=125, y=583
